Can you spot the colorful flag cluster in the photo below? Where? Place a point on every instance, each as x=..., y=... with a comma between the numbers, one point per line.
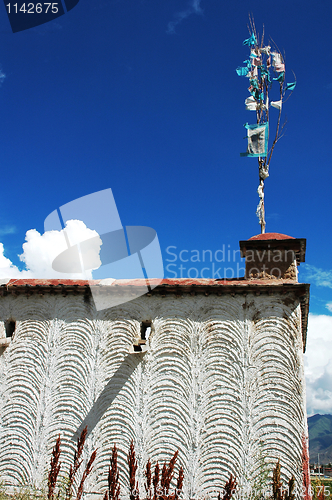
x=262, y=68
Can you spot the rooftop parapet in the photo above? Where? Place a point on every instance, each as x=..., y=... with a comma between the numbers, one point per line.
x=273, y=256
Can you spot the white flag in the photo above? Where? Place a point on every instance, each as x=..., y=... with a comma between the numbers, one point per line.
x=276, y=104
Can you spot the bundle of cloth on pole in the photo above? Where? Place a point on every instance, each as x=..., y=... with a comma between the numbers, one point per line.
x=262, y=68
x=258, y=136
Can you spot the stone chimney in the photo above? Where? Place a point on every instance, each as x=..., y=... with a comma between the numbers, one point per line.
x=273, y=256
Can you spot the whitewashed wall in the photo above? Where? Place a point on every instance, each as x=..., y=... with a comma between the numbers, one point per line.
x=222, y=374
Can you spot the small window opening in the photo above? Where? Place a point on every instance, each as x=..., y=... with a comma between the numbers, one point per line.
x=145, y=330
x=10, y=326
x=145, y=333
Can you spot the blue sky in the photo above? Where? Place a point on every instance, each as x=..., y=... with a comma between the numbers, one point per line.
x=142, y=96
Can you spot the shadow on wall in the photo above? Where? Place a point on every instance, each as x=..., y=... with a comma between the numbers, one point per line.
x=109, y=393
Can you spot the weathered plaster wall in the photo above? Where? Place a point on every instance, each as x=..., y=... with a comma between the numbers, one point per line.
x=221, y=375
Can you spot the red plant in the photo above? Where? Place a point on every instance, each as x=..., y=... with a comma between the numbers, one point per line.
x=277, y=484
x=113, y=492
x=305, y=468
x=161, y=491
x=76, y=465
x=289, y=494
x=167, y=474
x=155, y=481
x=179, y=483
x=229, y=489
x=161, y=482
x=132, y=462
x=148, y=480
x=278, y=493
x=86, y=472
x=55, y=468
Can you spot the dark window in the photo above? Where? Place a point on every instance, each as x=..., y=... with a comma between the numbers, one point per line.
x=145, y=333
x=10, y=326
x=145, y=329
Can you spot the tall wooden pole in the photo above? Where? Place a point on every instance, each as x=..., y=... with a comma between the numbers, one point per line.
x=261, y=206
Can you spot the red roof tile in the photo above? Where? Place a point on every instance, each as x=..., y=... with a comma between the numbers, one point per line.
x=142, y=282
x=271, y=236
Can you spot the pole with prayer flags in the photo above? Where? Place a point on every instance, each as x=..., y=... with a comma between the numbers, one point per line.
x=265, y=70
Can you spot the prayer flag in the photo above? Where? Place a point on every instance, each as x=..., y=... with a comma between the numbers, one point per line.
x=242, y=71
x=276, y=104
x=280, y=77
x=251, y=104
x=290, y=86
x=250, y=41
x=257, y=136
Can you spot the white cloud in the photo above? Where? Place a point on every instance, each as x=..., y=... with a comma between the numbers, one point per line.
x=7, y=230
x=2, y=76
x=318, y=364
x=7, y=269
x=329, y=306
x=318, y=276
x=39, y=251
x=194, y=7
